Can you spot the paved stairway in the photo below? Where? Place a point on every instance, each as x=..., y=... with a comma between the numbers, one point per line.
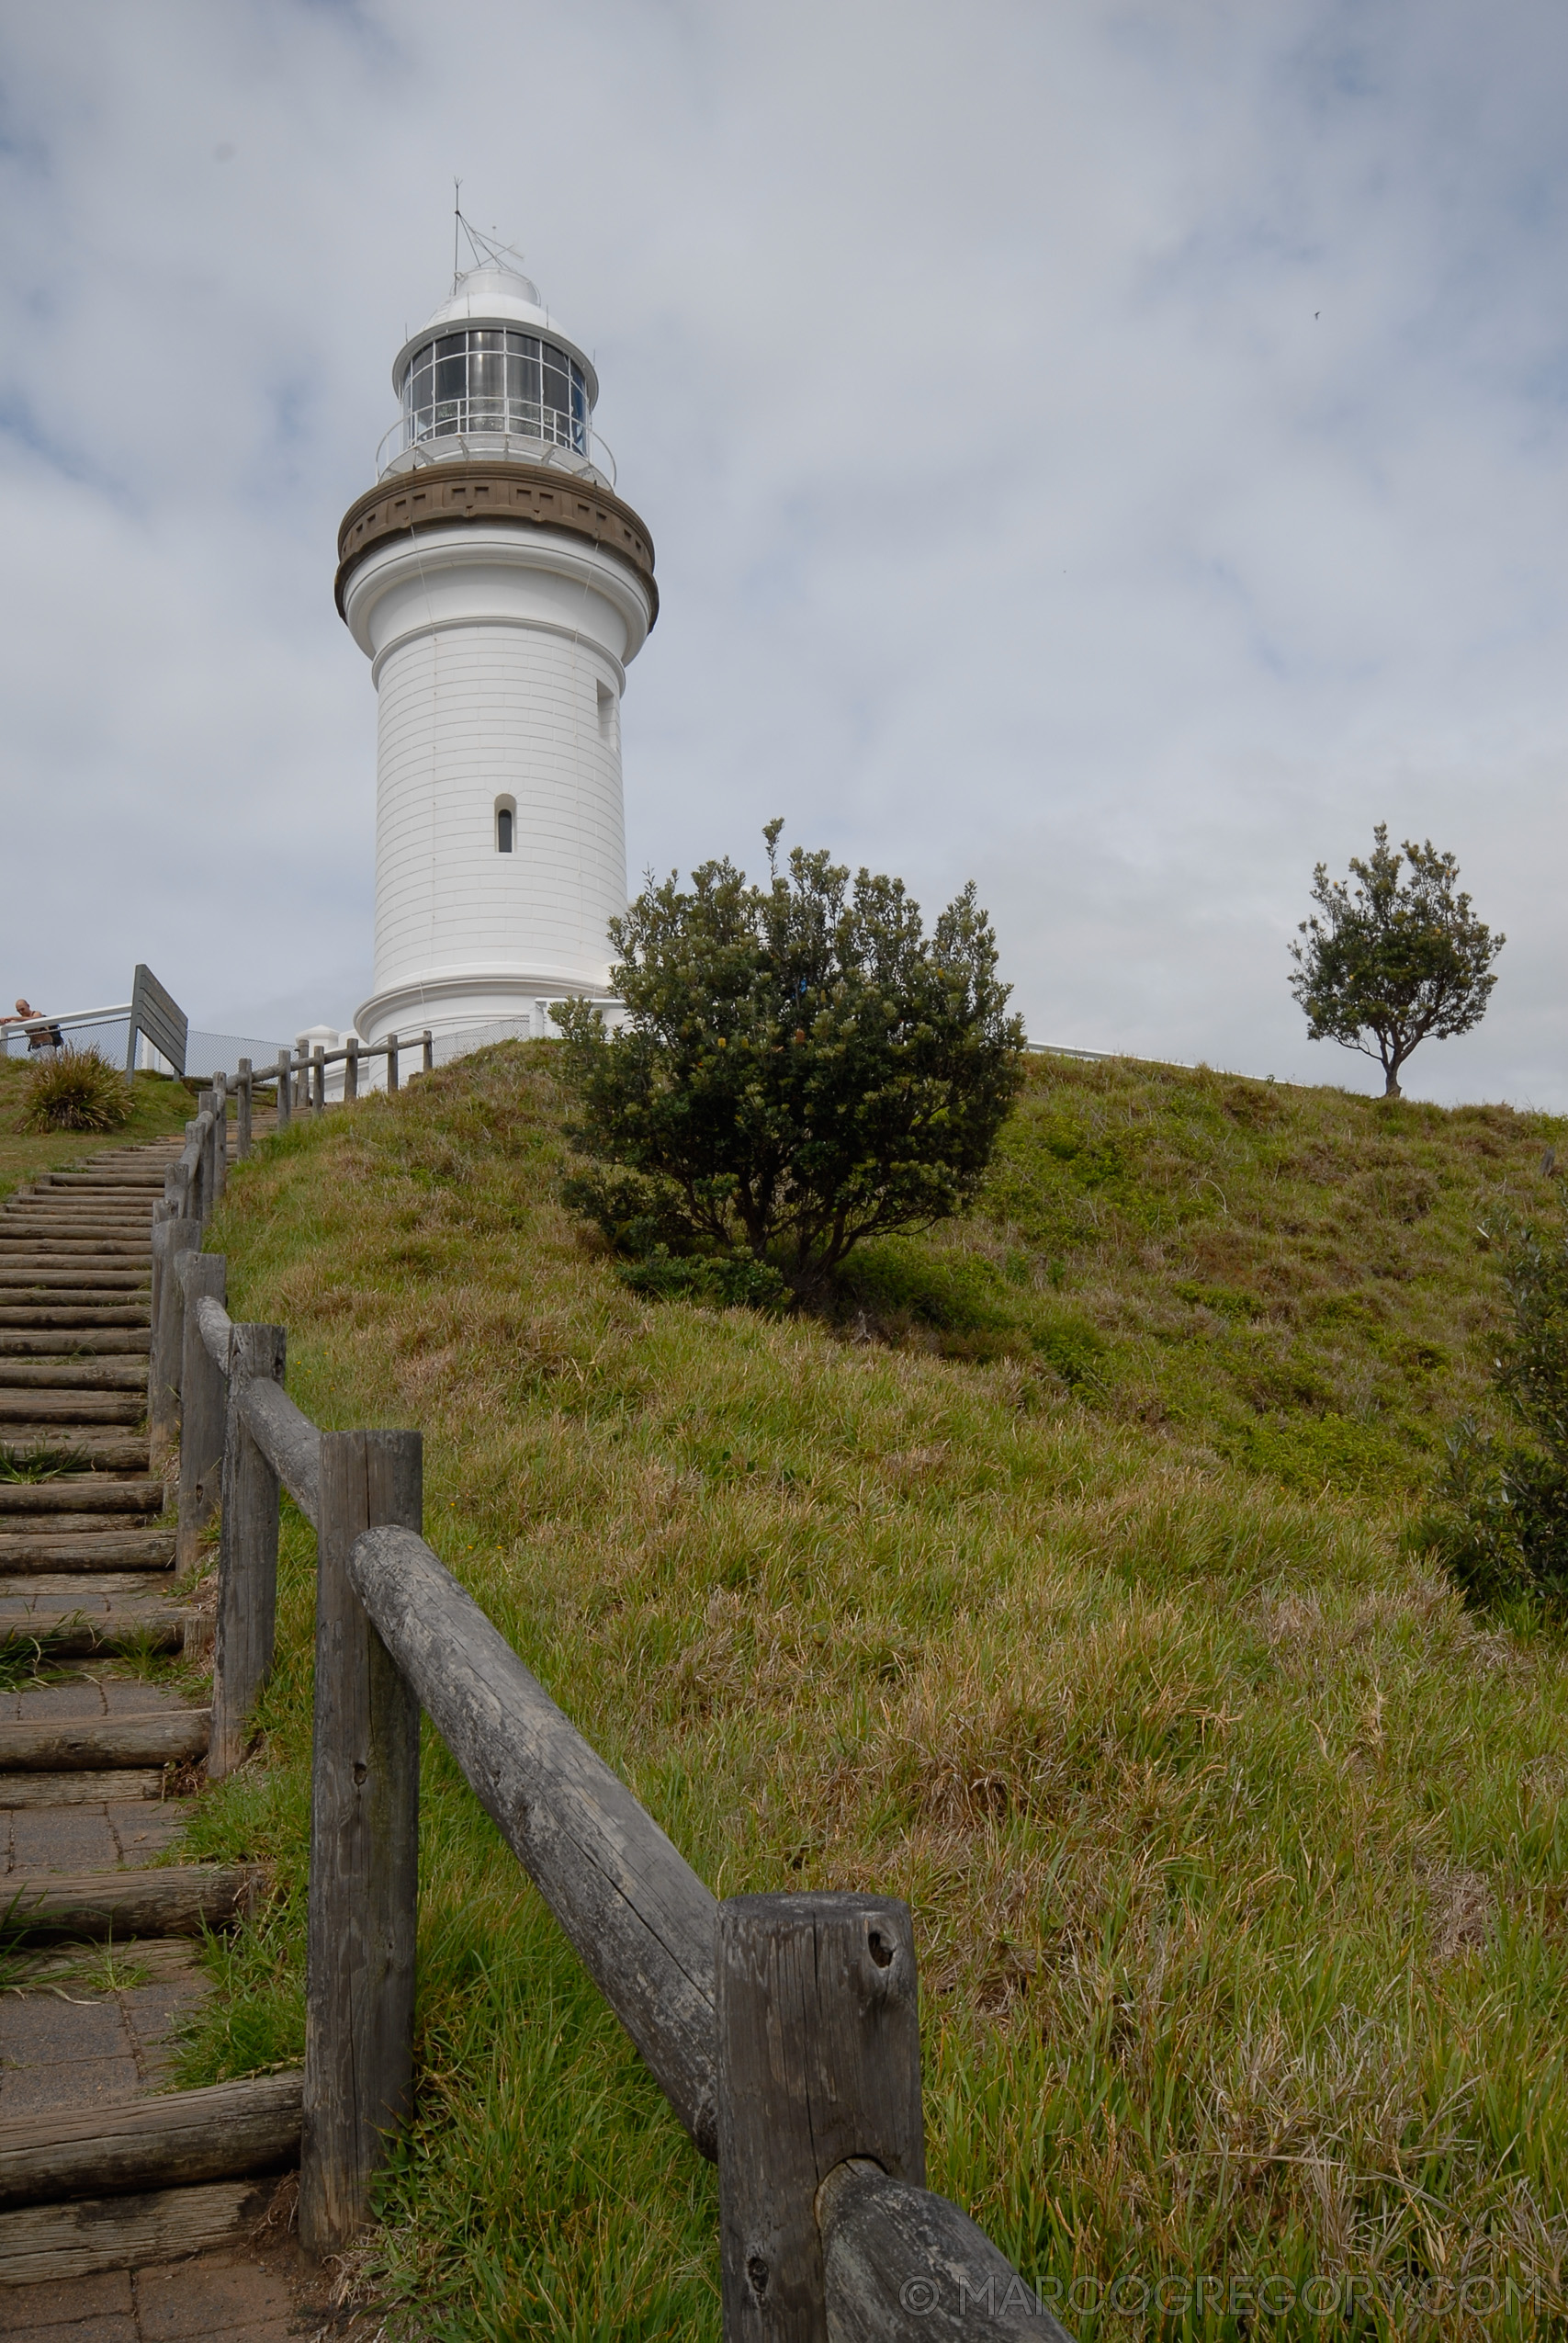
x=92, y=1762
x=75, y=1258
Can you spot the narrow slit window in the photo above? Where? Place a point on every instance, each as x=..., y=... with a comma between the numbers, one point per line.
x=607, y=710
x=505, y=821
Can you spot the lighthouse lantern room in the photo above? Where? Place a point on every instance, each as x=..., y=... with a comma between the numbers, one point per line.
x=499, y=588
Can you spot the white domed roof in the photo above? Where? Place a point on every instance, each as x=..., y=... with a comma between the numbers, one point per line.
x=494, y=294
x=491, y=291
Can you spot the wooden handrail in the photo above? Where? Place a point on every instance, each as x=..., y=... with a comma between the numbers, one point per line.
x=639, y=1917
x=901, y=2261
x=289, y=1442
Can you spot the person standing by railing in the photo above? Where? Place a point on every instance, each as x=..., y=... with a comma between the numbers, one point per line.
x=41, y=1034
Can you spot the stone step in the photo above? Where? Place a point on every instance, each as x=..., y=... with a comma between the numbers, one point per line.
x=70, y=1632
x=98, y=1585
x=59, y=1252
x=121, y=1786
x=103, y=1593
x=87, y=1546
x=73, y=1212
x=66, y=1344
x=178, y=2137
x=67, y=1283
x=180, y=1900
x=149, y=1183
x=19, y=1241
x=73, y=1374
x=83, y=1493
x=101, y=1451
x=91, y=1745
x=133, y=1523
x=88, y=2234
x=51, y=1408
x=55, y=1317
x=113, y=1204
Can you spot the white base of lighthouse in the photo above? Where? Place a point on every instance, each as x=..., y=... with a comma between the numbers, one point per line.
x=499, y=654
x=470, y=1001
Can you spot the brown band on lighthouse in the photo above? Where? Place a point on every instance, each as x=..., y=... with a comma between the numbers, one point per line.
x=534, y=495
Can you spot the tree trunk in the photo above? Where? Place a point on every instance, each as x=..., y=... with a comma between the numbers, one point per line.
x=1390, y=1087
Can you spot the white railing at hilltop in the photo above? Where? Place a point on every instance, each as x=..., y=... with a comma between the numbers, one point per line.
x=23, y=1029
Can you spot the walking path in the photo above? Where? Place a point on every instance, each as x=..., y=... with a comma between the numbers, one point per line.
x=96, y=1761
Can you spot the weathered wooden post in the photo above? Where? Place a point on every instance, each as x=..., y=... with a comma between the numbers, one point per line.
x=284, y=1102
x=206, y=1104
x=192, y=1203
x=219, y=1137
x=360, y=1977
x=177, y=1192
x=171, y=1239
x=203, y=1396
x=317, y=1079
x=351, y=1068
x=818, y=2060
x=247, y=1567
x=429, y=1041
x=243, y=1087
x=391, y=1061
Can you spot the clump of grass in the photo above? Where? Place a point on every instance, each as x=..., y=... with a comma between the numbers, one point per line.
x=42, y=1462
x=26, y=1659
x=140, y=1655
x=1232, y=1839
x=76, y=1090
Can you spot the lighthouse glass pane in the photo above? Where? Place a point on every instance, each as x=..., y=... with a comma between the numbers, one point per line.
x=488, y=380
x=452, y=366
x=523, y=381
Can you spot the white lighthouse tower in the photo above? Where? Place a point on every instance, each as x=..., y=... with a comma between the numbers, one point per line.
x=500, y=589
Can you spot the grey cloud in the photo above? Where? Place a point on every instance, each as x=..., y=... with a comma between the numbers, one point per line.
x=1116, y=454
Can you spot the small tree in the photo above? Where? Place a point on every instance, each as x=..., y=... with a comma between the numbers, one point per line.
x=1399, y=963
x=801, y=1068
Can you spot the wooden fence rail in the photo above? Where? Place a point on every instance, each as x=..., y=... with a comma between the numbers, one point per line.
x=783, y=2030
x=301, y=1081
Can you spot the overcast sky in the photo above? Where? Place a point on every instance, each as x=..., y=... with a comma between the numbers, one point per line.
x=1113, y=453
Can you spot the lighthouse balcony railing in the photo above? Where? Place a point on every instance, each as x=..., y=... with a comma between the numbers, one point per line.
x=467, y=429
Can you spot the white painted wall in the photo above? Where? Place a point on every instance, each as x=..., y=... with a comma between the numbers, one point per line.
x=499, y=653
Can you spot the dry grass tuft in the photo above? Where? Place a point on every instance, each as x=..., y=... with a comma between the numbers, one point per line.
x=76, y=1090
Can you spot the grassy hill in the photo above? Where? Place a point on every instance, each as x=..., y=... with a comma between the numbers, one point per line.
x=1062, y=1588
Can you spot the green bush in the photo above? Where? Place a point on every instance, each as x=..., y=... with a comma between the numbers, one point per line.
x=802, y=1068
x=1501, y=1520
x=76, y=1090
x=729, y=1281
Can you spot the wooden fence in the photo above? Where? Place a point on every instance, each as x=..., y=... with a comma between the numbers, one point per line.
x=783, y=2030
